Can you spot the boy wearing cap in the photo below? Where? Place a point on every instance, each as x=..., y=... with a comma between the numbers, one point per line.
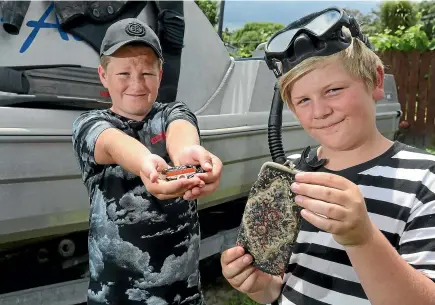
x=144, y=233
x=368, y=227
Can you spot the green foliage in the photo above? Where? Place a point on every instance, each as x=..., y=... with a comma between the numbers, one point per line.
x=245, y=39
x=209, y=8
x=404, y=39
x=396, y=14
x=394, y=25
x=427, y=10
x=226, y=34
x=251, y=35
x=400, y=25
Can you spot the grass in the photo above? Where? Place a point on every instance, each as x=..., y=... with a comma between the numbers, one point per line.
x=219, y=292
x=226, y=295
x=241, y=299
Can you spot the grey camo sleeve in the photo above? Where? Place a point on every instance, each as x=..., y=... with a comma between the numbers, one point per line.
x=179, y=111
x=85, y=132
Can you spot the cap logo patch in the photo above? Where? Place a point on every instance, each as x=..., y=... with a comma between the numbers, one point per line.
x=135, y=29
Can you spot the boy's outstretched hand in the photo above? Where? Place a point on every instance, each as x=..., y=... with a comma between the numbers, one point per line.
x=163, y=190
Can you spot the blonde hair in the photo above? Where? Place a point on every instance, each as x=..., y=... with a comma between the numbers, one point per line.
x=104, y=61
x=358, y=60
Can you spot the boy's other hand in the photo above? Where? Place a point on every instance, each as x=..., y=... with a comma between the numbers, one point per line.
x=238, y=271
x=334, y=204
x=212, y=165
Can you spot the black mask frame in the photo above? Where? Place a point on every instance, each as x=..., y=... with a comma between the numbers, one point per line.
x=317, y=34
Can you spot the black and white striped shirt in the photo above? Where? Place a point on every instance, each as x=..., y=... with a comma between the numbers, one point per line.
x=399, y=190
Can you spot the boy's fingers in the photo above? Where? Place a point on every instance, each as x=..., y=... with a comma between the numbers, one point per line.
x=177, y=186
x=249, y=283
x=153, y=176
x=231, y=254
x=237, y=266
x=166, y=197
x=166, y=188
x=188, y=195
x=240, y=279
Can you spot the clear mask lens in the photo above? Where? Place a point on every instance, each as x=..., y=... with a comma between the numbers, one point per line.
x=317, y=26
x=281, y=41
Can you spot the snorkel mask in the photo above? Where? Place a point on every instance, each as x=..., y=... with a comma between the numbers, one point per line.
x=317, y=34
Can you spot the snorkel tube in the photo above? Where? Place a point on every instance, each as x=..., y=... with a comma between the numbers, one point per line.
x=317, y=34
x=274, y=127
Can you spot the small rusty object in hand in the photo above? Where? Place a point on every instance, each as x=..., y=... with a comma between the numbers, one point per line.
x=179, y=172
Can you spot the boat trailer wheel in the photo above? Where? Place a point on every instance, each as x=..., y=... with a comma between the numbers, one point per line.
x=66, y=248
x=42, y=256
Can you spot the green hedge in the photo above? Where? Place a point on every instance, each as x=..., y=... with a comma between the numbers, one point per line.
x=412, y=38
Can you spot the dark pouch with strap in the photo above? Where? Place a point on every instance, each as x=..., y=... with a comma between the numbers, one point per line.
x=171, y=30
x=271, y=219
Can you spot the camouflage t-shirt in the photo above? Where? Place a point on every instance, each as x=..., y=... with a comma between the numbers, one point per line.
x=141, y=250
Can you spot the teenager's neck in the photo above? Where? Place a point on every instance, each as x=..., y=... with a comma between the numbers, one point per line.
x=369, y=149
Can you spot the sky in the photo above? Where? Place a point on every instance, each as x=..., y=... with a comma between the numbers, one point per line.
x=237, y=12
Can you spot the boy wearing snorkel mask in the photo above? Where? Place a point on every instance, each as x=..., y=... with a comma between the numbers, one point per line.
x=368, y=229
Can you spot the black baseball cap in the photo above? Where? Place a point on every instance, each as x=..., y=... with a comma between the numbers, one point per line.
x=127, y=31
